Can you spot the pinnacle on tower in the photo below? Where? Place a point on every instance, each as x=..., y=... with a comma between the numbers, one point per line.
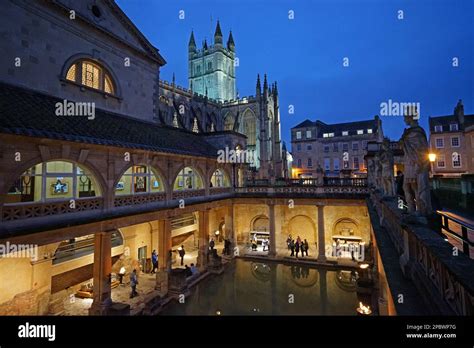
x=259, y=88
x=265, y=84
x=230, y=42
x=275, y=89
x=218, y=34
x=204, y=45
x=192, y=43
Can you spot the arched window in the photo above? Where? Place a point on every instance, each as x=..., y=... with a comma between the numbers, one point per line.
x=229, y=122
x=139, y=179
x=249, y=127
x=188, y=179
x=53, y=180
x=219, y=179
x=91, y=74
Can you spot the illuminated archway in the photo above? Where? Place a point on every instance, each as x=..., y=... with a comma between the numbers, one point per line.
x=53, y=180
x=188, y=179
x=219, y=179
x=139, y=179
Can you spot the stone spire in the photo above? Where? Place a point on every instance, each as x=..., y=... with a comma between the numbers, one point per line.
x=231, y=43
x=192, y=43
x=218, y=34
x=265, y=86
x=259, y=87
x=275, y=89
x=204, y=45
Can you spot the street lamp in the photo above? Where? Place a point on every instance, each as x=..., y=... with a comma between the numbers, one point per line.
x=432, y=158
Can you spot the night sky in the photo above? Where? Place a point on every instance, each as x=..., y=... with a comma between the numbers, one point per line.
x=405, y=60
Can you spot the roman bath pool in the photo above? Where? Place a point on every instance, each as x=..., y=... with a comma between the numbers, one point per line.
x=256, y=288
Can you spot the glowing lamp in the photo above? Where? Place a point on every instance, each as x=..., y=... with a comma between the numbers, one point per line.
x=432, y=157
x=363, y=309
x=364, y=265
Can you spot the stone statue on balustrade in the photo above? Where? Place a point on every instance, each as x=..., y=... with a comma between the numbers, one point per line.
x=387, y=163
x=371, y=171
x=416, y=178
x=319, y=175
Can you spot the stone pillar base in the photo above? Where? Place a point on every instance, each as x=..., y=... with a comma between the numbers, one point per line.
x=162, y=283
x=100, y=308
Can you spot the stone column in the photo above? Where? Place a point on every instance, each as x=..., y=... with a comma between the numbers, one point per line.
x=321, y=234
x=229, y=229
x=203, y=240
x=164, y=247
x=102, y=274
x=271, y=216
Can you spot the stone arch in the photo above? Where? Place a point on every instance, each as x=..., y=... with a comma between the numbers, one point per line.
x=226, y=173
x=155, y=170
x=87, y=165
x=303, y=226
x=260, y=223
x=195, y=168
x=346, y=227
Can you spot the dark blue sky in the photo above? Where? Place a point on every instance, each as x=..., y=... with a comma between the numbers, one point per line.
x=408, y=60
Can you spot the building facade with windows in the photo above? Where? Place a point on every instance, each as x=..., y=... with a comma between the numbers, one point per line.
x=332, y=146
x=452, y=141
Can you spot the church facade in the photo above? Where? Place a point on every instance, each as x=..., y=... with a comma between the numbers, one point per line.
x=211, y=104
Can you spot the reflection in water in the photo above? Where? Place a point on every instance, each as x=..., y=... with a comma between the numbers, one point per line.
x=261, y=271
x=253, y=288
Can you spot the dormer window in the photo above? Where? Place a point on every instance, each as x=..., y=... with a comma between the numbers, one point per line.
x=453, y=127
x=360, y=131
x=438, y=128
x=92, y=75
x=345, y=133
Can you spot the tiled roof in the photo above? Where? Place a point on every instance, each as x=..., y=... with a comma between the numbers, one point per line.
x=30, y=113
x=338, y=128
x=445, y=121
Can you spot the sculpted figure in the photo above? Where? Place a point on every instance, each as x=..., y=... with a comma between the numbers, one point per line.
x=320, y=175
x=416, y=180
x=386, y=163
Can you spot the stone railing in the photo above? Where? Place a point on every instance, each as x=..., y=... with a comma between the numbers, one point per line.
x=188, y=193
x=442, y=276
x=219, y=190
x=304, y=190
x=39, y=209
x=122, y=201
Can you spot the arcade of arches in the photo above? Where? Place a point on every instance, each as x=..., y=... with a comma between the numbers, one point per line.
x=65, y=265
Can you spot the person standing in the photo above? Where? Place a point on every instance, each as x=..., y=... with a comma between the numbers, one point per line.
x=133, y=283
x=297, y=248
x=302, y=249
x=292, y=247
x=288, y=241
x=212, y=244
x=181, y=254
x=154, y=261
x=306, y=246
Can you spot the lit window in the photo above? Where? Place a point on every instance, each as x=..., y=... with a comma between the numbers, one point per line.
x=344, y=133
x=441, y=162
x=453, y=127
x=195, y=126
x=330, y=135
x=439, y=143
x=455, y=141
x=438, y=128
x=53, y=181
x=92, y=75
x=369, y=131
x=456, y=160
x=298, y=135
x=308, y=134
x=187, y=179
x=360, y=131
x=219, y=179
x=138, y=179
x=325, y=135
x=355, y=161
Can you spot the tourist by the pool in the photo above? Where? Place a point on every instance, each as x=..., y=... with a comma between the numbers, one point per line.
x=292, y=247
x=133, y=283
x=288, y=241
x=181, y=254
x=194, y=269
x=187, y=271
x=306, y=246
x=302, y=249
x=212, y=244
x=297, y=247
x=154, y=261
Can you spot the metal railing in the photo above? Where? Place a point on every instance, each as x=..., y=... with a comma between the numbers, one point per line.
x=458, y=232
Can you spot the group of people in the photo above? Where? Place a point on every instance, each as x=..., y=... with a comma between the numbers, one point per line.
x=295, y=246
x=190, y=271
